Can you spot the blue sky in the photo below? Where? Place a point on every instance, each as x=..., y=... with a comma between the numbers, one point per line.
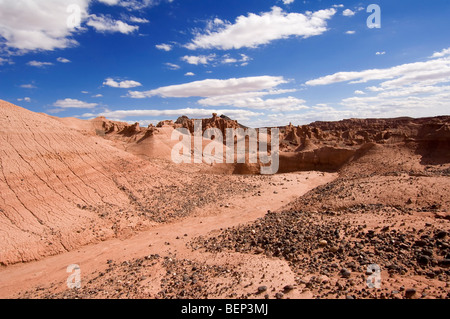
x=262, y=62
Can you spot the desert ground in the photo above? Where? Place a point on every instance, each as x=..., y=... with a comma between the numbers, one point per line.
x=106, y=196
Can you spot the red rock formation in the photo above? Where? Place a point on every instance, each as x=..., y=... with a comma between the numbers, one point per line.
x=221, y=123
x=165, y=123
x=115, y=130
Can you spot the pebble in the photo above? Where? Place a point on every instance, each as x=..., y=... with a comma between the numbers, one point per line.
x=345, y=273
x=423, y=260
x=259, y=250
x=444, y=263
x=288, y=288
x=409, y=293
x=262, y=289
x=279, y=295
x=441, y=235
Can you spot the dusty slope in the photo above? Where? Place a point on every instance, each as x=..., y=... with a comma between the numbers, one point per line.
x=387, y=175
x=56, y=185
x=146, y=143
x=60, y=189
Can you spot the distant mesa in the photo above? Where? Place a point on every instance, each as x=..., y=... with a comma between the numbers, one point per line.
x=165, y=123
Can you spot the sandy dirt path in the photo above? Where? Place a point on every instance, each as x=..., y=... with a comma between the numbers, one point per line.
x=171, y=239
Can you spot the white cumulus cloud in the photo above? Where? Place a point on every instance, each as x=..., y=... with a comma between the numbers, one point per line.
x=172, y=66
x=348, y=13
x=132, y=4
x=3, y=61
x=122, y=84
x=435, y=70
x=28, y=86
x=254, y=30
x=213, y=87
x=138, y=20
x=110, y=2
x=105, y=24
x=73, y=103
x=29, y=25
x=243, y=60
x=63, y=60
x=164, y=47
x=254, y=100
x=196, y=60
x=39, y=64
x=441, y=53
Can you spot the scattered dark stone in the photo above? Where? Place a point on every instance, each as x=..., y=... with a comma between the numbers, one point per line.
x=262, y=289
x=444, y=263
x=423, y=260
x=288, y=288
x=420, y=243
x=279, y=295
x=345, y=273
x=259, y=250
x=334, y=249
x=295, y=237
x=441, y=235
x=404, y=246
x=427, y=252
x=431, y=274
x=409, y=293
